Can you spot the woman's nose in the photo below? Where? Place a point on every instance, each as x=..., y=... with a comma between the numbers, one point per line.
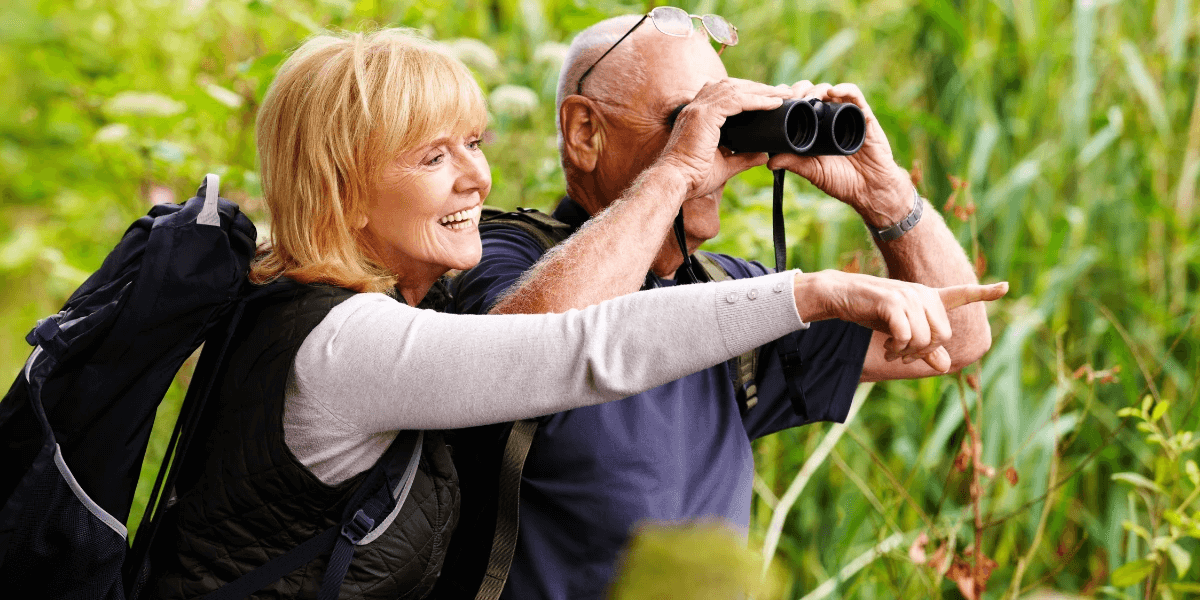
x=474, y=175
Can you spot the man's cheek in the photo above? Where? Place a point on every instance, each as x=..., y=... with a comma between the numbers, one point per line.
x=702, y=216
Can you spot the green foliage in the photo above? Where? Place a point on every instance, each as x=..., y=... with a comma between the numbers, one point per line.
x=1170, y=513
x=1067, y=135
x=697, y=561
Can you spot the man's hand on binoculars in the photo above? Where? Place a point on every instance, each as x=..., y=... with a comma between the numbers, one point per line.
x=692, y=147
x=913, y=317
x=869, y=181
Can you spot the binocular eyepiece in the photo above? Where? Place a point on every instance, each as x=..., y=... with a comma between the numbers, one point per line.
x=805, y=127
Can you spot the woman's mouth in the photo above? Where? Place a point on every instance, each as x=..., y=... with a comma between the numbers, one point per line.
x=462, y=220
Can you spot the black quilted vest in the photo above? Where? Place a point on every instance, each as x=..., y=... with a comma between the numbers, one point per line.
x=243, y=498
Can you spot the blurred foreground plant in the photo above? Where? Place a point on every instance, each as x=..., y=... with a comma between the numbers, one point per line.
x=1170, y=515
x=695, y=561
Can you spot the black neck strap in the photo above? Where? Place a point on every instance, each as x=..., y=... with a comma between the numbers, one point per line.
x=776, y=227
x=777, y=223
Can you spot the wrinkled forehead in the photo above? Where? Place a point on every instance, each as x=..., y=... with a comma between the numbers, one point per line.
x=674, y=68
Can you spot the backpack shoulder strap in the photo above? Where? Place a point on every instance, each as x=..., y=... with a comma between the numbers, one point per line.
x=548, y=232
x=742, y=369
x=369, y=512
x=542, y=227
x=504, y=542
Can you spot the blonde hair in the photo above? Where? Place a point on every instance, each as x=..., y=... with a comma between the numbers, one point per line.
x=342, y=106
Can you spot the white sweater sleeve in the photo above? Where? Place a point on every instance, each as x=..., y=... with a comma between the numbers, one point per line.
x=374, y=366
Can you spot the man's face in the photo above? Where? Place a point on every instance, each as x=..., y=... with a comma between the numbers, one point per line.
x=637, y=128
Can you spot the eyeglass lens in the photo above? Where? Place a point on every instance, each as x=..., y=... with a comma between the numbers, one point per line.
x=677, y=22
x=671, y=21
x=720, y=29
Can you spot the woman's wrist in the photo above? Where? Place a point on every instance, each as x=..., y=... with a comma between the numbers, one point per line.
x=810, y=290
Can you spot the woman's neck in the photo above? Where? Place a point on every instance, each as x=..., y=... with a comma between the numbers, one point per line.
x=414, y=286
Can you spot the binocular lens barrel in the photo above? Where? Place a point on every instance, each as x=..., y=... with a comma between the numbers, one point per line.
x=805, y=127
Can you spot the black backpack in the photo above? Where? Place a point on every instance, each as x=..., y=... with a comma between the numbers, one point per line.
x=75, y=424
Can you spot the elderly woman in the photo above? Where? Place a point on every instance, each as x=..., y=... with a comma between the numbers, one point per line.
x=374, y=177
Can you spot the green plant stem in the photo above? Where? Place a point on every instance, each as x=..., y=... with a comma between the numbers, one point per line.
x=976, y=486
x=1023, y=563
x=1189, y=500
x=864, y=488
x=1133, y=349
x=789, y=497
x=891, y=477
x=830, y=585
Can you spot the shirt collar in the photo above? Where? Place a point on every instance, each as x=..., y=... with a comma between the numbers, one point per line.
x=570, y=212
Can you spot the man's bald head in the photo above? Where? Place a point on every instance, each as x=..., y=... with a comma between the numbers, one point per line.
x=620, y=123
x=590, y=45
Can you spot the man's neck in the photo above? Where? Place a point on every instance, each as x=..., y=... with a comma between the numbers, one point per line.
x=665, y=264
x=587, y=198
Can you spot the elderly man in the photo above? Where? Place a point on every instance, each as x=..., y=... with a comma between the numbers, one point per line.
x=682, y=451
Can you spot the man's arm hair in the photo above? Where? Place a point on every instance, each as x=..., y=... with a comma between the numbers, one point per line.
x=929, y=254
x=608, y=257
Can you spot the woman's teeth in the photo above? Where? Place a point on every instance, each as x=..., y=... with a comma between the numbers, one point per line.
x=463, y=219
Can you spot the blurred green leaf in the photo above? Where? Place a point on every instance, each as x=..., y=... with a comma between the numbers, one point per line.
x=143, y=104
x=1160, y=409
x=1145, y=88
x=1181, y=558
x=1137, y=480
x=1133, y=572
x=692, y=562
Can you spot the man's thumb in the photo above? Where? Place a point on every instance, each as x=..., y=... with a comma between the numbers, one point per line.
x=803, y=166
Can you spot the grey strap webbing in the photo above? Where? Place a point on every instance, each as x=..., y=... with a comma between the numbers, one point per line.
x=742, y=369
x=504, y=542
x=548, y=232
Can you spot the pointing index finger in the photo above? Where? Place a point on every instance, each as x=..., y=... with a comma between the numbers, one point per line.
x=959, y=295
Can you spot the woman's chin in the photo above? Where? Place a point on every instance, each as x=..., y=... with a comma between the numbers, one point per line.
x=466, y=257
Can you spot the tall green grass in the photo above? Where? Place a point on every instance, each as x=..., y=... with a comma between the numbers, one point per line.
x=1076, y=127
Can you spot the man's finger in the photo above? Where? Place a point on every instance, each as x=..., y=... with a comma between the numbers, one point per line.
x=939, y=360
x=757, y=87
x=736, y=163
x=959, y=295
x=804, y=166
x=801, y=87
x=820, y=91
x=745, y=102
x=850, y=93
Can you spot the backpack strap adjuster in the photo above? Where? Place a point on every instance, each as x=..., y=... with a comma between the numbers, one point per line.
x=46, y=334
x=358, y=527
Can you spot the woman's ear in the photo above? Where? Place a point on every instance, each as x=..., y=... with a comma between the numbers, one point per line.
x=361, y=222
x=583, y=136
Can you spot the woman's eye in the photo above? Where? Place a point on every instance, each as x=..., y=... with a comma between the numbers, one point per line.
x=474, y=144
x=435, y=159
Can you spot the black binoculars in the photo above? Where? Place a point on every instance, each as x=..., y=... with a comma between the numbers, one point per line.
x=805, y=127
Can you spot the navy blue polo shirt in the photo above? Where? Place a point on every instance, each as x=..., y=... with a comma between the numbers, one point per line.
x=680, y=451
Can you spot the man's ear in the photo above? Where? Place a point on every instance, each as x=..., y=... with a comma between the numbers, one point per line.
x=581, y=131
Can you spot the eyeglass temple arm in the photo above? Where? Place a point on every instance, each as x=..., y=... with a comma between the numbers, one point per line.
x=579, y=86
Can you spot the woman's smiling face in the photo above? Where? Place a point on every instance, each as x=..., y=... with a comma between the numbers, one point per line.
x=424, y=215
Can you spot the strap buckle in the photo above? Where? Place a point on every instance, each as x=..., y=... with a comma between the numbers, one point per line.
x=358, y=527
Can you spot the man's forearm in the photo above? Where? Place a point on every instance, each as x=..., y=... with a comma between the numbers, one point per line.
x=929, y=254
x=608, y=257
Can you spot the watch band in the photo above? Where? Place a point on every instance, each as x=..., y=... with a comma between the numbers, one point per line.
x=905, y=224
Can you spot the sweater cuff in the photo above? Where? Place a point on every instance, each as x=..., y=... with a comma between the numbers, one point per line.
x=752, y=312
